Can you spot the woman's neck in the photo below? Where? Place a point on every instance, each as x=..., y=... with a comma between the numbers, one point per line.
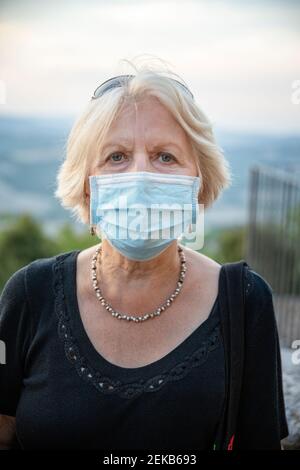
x=113, y=265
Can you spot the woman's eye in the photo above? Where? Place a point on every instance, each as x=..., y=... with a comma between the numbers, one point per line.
x=166, y=157
x=116, y=157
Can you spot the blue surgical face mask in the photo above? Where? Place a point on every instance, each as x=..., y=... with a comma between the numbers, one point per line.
x=142, y=213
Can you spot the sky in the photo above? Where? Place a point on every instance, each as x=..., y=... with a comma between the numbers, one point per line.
x=241, y=59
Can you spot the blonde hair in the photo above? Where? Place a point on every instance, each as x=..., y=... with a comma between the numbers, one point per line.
x=89, y=131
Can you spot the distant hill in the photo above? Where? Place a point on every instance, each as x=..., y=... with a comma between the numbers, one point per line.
x=32, y=148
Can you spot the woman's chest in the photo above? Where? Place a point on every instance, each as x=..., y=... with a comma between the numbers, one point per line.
x=136, y=344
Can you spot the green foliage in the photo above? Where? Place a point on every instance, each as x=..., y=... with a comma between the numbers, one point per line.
x=67, y=239
x=225, y=245
x=23, y=240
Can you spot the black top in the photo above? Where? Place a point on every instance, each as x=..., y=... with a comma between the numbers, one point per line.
x=64, y=394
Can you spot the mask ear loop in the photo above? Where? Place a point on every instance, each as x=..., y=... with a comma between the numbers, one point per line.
x=199, y=175
x=92, y=227
x=86, y=196
x=190, y=228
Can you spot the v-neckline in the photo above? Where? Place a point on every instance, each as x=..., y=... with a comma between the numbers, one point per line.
x=192, y=342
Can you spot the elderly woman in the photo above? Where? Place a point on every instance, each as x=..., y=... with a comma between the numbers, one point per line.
x=124, y=345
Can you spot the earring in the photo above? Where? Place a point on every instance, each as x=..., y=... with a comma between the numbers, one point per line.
x=92, y=230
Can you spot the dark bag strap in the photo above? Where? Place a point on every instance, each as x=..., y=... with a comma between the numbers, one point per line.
x=232, y=306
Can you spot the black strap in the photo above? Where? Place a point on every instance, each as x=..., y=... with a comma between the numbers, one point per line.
x=232, y=323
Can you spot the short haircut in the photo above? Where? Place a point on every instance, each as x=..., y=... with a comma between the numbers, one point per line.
x=88, y=133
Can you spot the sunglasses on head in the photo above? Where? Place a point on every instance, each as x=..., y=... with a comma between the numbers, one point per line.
x=120, y=80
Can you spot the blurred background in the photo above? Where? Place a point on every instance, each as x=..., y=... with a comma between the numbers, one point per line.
x=241, y=60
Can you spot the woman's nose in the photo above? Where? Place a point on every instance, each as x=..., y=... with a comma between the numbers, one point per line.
x=141, y=162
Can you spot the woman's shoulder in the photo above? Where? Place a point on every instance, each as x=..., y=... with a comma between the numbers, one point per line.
x=258, y=291
x=204, y=267
x=257, y=288
x=35, y=275
x=23, y=297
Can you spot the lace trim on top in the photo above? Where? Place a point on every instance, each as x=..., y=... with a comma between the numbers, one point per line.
x=105, y=384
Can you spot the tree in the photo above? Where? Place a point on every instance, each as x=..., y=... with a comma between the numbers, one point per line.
x=21, y=242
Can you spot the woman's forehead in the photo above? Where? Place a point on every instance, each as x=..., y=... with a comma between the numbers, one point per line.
x=146, y=109
x=149, y=118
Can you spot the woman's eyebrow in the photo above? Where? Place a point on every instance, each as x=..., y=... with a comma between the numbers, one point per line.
x=125, y=142
x=120, y=142
x=166, y=144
